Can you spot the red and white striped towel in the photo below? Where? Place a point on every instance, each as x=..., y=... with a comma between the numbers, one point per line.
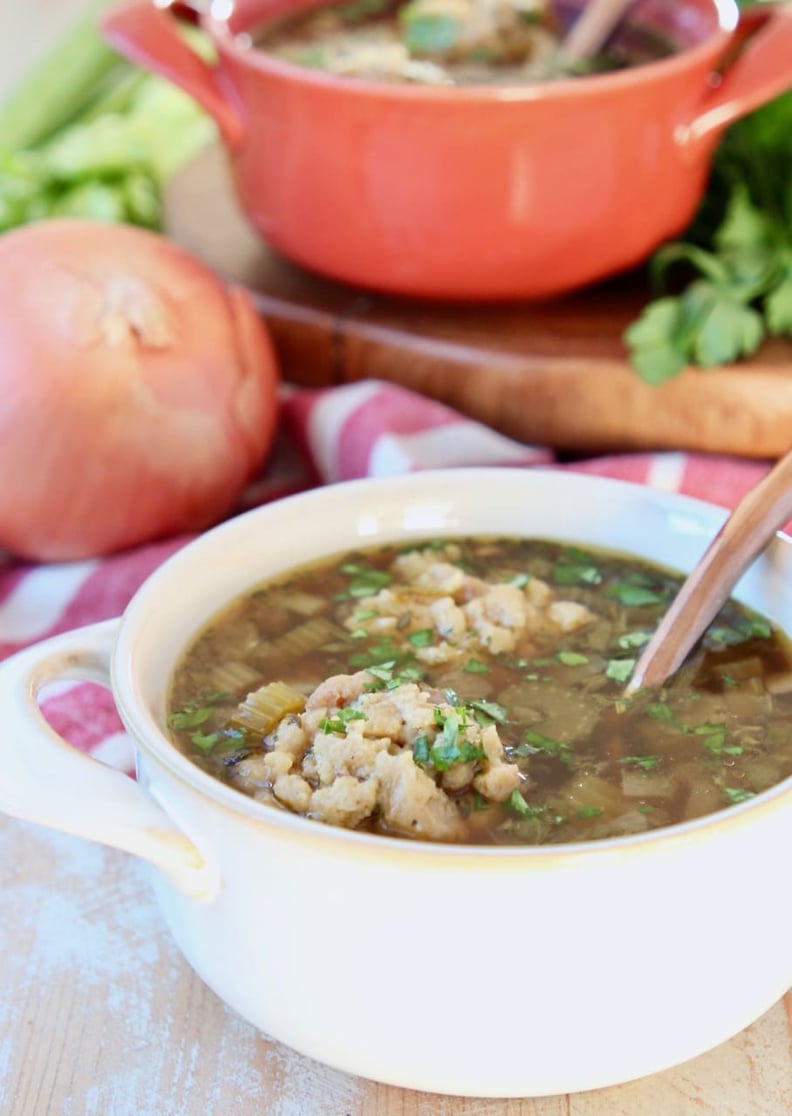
x=335, y=434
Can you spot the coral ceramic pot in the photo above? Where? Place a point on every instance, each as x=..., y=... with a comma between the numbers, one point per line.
x=469, y=193
x=469, y=970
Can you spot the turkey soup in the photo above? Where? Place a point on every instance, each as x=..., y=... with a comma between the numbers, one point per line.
x=449, y=42
x=472, y=691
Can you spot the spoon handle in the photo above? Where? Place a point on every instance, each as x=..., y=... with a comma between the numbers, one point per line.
x=592, y=28
x=743, y=536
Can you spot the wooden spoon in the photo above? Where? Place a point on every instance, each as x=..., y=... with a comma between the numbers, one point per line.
x=749, y=528
x=592, y=29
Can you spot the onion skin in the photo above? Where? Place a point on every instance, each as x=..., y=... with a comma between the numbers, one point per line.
x=138, y=393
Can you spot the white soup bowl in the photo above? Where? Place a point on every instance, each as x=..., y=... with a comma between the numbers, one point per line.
x=479, y=971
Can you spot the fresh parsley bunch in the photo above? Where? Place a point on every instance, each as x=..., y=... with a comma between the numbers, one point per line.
x=738, y=256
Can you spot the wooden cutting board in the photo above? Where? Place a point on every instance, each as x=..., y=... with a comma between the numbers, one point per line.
x=553, y=373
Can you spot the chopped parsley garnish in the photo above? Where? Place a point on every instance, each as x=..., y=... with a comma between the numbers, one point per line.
x=450, y=747
x=630, y=641
x=534, y=742
x=645, y=763
x=365, y=581
x=338, y=723
x=716, y=741
x=450, y=723
x=204, y=742
x=632, y=596
x=191, y=716
x=619, y=670
x=586, y=812
x=660, y=711
x=209, y=741
x=737, y=794
x=520, y=580
x=710, y=730
x=381, y=653
x=740, y=630
x=409, y=673
x=443, y=755
x=473, y=666
x=490, y=710
x=431, y=544
x=423, y=638
x=195, y=714
x=383, y=672
x=572, y=658
x=421, y=751
x=387, y=676
x=428, y=32
x=518, y=805
x=576, y=568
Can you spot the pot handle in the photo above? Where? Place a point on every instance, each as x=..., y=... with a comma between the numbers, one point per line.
x=46, y=781
x=761, y=70
x=146, y=34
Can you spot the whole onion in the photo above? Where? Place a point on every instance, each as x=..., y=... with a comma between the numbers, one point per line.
x=138, y=393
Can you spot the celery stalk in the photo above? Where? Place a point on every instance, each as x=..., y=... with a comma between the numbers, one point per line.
x=87, y=134
x=61, y=85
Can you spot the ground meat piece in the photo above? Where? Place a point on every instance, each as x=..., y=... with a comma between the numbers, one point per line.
x=412, y=804
x=290, y=737
x=449, y=619
x=539, y=593
x=500, y=778
x=346, y=802
x=422, y=568
x=352, y=754
x=464, y=612
x=338, y=691
x=260, y=769
x=458, y=777
x=505, y=605
x=498, y=782
x=377, y=625
x=498, y=616
x=569, y=615
x=437, y=653
x=293, y=791
x=364, y=766
x=382, y=716
x=416, y=708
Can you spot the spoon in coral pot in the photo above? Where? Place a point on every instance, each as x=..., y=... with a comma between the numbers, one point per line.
x=592, y=29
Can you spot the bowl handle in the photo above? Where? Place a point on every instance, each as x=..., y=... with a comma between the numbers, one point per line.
x=45, y=780
x=147, y=36
x=760, y=71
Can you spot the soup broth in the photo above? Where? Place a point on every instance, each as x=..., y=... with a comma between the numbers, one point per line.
x=471, y=690
x=447, y=42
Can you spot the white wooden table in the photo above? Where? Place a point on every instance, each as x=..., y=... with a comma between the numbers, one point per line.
x=101, y=1016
